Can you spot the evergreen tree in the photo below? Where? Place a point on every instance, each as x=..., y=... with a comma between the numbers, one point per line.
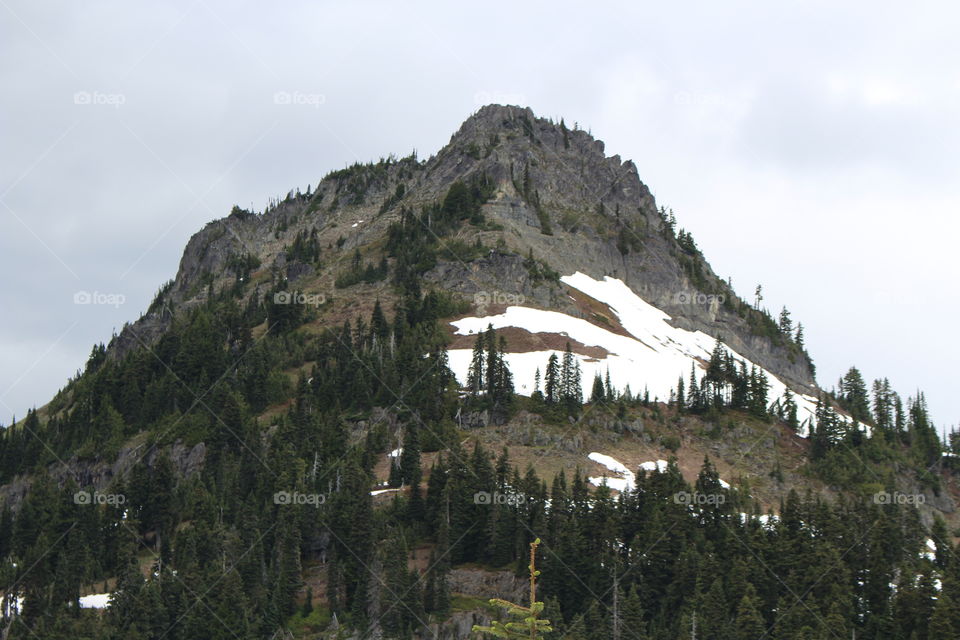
x=786, y=324
x=598, y=393
x=749, y=622
x=853, y=391
x=571, y=391
x=552, y=384
x=475, y=380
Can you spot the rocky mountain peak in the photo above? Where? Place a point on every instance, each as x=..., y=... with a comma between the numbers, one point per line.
x=548, y=163
x=553, y=198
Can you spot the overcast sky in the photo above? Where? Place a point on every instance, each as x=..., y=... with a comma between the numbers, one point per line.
x=812, y=149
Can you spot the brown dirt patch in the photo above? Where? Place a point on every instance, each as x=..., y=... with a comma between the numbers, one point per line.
x=523, y=341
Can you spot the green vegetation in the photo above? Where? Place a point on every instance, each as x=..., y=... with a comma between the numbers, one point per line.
x=415, y=240
x=361, y=272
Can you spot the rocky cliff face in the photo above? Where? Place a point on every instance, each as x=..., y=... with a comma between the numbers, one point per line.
x=558, y=199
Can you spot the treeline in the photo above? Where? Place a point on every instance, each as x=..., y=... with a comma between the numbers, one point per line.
x=728, y=383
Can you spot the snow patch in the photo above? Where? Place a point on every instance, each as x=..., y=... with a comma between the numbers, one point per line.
x=660, y=466
x=653, y=356
x=95, y=601
x=626, y=482
x=610, y=463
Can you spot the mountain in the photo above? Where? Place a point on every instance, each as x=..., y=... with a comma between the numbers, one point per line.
x=557, y=197
x=352, y=413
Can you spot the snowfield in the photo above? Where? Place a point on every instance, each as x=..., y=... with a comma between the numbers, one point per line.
x=624, y=479
x=660, y=466
x=652, y=357
x=626, y=482
x=95, y=601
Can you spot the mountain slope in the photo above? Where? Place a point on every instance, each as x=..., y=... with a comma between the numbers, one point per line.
x=298, y=436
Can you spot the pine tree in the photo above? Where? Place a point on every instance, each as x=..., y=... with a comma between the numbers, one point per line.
x=552, y=385
x=943, y=619
x=537, y=393
x=571, y=392
x=598, y=392
x=883, y=406
x=694, y=398
x=758, y=387
x=788, y=410
x=475, y=380
x=786, y=324
x=749, y=622
x=410, y=456
x=853, y=391
x=494, y=363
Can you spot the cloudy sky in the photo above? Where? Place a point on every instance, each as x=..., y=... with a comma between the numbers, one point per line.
x=812, y=149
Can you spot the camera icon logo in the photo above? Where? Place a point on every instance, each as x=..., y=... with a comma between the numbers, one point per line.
x=82, y=497
x=482, y=497
x=282, y=297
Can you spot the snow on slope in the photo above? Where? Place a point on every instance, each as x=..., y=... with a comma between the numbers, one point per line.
x=660, y=466
x=95, y=601
x=652, y=357
x=626, y=482
x=627, y=479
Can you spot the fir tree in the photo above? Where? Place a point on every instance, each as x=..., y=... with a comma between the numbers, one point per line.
x=598, y=393
x=552, y=383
